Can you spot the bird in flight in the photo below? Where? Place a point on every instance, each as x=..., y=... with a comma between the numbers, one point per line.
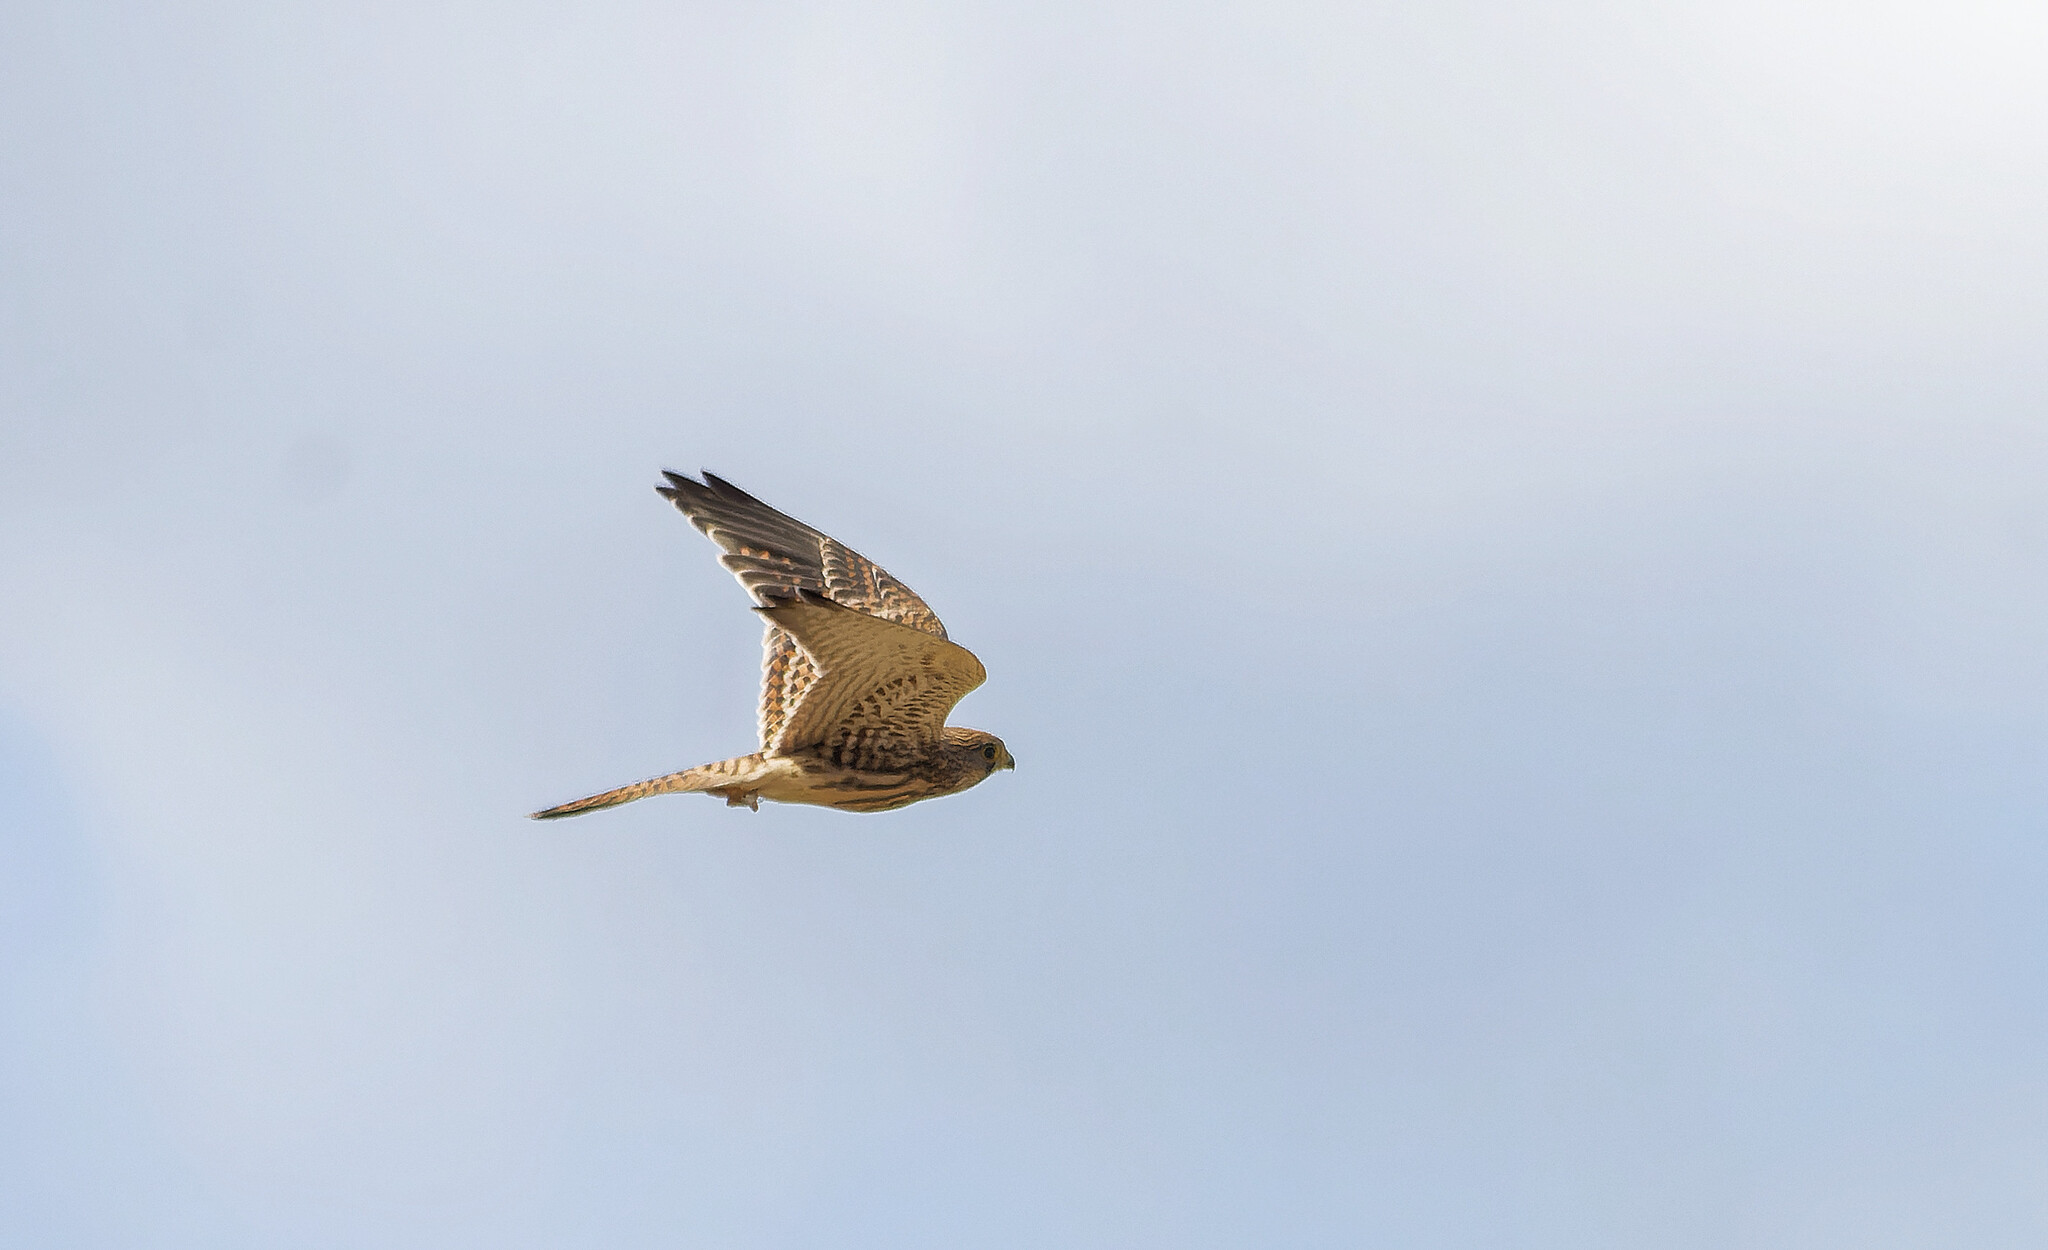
x=857, y=675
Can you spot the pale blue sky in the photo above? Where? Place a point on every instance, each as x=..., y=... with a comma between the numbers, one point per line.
x=1509, y=544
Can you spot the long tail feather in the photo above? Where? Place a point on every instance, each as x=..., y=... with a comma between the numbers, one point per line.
x=704, y=777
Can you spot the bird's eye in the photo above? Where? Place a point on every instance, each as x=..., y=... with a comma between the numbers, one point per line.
x=989, y=752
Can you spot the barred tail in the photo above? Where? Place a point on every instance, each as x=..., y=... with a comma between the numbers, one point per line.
x=717, y=776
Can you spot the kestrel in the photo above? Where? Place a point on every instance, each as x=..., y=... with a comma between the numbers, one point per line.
x=857, y=675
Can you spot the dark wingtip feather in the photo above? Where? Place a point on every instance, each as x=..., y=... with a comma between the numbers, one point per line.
x=726, y=490
x=689, y=496
x=713, y=489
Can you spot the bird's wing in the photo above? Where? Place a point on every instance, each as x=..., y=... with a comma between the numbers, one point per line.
x=882, y=689
x=777, y=558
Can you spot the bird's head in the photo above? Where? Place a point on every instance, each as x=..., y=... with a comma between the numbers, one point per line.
x=982, y=746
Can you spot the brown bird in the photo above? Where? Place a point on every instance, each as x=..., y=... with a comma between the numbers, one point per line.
x=857, y=676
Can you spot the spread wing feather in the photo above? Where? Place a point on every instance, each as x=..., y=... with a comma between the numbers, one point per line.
x=882, y=690
x=778, y=558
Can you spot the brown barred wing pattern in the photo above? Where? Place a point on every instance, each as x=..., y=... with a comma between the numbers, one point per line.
x=777, y=557
x=883, y=690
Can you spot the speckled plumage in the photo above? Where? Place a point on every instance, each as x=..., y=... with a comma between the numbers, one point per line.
x=857, y=674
